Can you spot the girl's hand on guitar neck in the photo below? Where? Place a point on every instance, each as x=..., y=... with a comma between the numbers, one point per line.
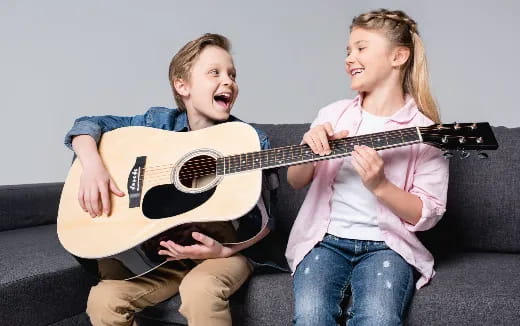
x=370, y=167
x=207, y=248
x=317, y=138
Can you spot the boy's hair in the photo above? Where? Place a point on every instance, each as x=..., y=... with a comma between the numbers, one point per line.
x=401, y=30
x=181, y=64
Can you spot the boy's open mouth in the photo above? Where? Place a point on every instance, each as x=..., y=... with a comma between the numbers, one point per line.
x=223, y=99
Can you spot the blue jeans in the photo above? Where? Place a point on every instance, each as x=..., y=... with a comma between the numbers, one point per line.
x=380, y=281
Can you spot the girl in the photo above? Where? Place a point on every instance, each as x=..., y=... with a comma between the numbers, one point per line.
x=354, y=235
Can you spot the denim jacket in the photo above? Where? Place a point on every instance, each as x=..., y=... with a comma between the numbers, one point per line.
x=155, y=117
x=176, y=120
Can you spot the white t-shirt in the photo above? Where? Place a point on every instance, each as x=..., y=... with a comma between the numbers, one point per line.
x=353, y=206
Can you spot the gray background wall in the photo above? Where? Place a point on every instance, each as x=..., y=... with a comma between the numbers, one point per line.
x=63, y=59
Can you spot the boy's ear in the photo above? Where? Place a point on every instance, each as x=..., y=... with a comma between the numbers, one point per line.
x=181, y=86
x=401, y=55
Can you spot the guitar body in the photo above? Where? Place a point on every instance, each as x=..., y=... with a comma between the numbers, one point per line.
x=159, y=172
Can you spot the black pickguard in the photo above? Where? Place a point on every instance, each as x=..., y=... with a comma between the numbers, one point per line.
x=166, y=200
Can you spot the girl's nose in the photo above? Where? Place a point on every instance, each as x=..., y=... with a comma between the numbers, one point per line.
x=349, y=59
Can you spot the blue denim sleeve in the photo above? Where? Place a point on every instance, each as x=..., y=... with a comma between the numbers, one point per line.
x=95, y=126
x=264, y=140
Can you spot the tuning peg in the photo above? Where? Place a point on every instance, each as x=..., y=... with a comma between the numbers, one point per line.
x=463, y=154
x=482, y=155
x=447, y=155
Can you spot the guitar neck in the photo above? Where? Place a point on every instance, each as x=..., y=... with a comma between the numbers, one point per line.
x=298, y=154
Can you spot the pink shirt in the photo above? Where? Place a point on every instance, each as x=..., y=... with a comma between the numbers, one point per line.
x=419, y=169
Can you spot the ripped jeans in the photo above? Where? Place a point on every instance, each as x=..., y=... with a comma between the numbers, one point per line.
x=380, y=282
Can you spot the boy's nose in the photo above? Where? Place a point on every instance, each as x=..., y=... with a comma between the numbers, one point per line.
x=226, y=80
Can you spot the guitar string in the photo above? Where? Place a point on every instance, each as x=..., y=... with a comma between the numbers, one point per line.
x=397, y=132
x=281, y=150
x=285, y=149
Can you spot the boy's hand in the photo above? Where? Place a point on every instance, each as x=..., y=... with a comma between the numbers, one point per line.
x=318, y=138
x=94, y=190
x=207, y=248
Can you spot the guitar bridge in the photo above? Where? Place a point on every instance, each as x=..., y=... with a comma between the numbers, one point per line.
x=135, y=182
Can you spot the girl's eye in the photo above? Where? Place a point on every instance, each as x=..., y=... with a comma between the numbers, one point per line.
x=361, y=49
x=213, y=72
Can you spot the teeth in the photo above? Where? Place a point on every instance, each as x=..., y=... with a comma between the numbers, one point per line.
x=226, y=95
x=357, y=71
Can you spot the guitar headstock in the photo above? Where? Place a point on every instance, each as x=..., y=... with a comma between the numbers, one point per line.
x=460, y=136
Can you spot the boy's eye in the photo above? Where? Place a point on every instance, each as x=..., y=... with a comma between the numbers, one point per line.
x=361, y=49
x=213, y=72
x=233, y=76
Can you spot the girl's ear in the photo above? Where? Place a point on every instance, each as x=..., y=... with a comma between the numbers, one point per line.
x=401, y=55
x=181, y=86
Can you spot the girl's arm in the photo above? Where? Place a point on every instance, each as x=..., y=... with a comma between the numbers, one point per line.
x=299, y=176
x=402, y=203
x=317, y=138
x=423, y=206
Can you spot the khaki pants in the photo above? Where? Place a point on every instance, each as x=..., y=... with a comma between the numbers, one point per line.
x=204, y=292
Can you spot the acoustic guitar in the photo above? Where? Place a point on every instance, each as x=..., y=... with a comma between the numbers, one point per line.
x=172, y=180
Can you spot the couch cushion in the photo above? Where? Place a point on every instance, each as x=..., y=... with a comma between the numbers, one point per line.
x=470, y=289
x=18, y=202
x=483, y=208
x=40, y=283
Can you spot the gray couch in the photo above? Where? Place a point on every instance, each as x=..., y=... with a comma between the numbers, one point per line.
x=476, y=245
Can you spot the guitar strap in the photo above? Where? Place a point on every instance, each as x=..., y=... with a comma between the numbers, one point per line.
x=270, y=184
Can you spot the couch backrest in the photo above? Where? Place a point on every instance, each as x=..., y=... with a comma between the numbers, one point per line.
x=289, y=200
x=28, y=205
x=483, y=210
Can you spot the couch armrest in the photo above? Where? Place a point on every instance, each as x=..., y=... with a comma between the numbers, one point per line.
x=29, y=205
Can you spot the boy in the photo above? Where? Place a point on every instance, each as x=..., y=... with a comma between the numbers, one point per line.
x=202, y=76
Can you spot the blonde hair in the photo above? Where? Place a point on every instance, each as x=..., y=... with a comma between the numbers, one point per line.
x=401, y=30
x=182, y=62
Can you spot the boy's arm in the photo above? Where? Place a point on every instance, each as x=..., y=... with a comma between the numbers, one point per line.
x=95, y=183
x=208, y=247
x=95, y=126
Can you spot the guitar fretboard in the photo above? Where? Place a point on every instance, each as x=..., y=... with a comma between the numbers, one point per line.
x=298, y=154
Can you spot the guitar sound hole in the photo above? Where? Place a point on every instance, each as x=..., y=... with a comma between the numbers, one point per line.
x=198, y=171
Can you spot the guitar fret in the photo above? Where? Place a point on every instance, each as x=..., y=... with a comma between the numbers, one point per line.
x=302, y=153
